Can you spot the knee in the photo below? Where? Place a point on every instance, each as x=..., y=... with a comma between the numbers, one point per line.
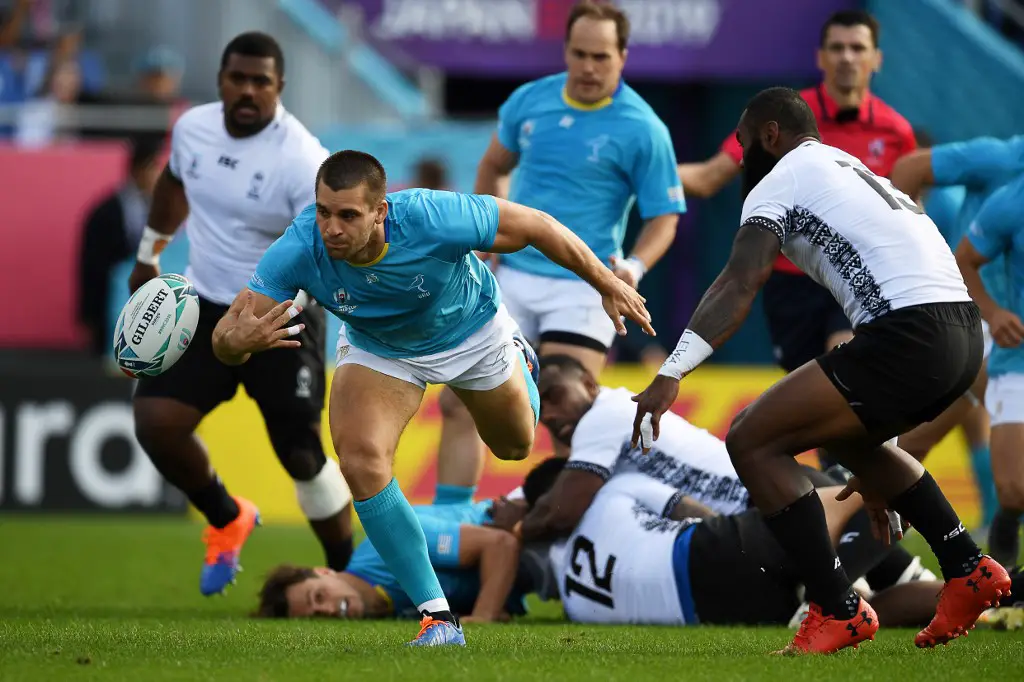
x=738, y=443
x=364, y=464
x=516, y=447
x=452, y=408
x=325, y=494
x=1010, y=493
x=154, y=431
x=297, y=444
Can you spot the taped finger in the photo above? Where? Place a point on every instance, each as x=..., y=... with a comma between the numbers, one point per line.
x=646, y=433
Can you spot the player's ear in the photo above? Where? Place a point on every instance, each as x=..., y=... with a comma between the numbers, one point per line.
x=770, y=134
x=280, y=84
x=382, y=211
x=322, y=570
x=821, y=60
x=877, y=66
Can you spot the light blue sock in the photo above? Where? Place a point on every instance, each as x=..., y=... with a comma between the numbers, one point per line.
x=396, y=534
x=981, y=463
x=454, y=494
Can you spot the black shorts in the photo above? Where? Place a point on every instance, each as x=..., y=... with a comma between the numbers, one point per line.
x=907, y=366
x=801, y=316
x=285, y=380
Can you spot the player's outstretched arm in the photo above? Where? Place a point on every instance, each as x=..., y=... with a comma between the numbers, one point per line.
x=1007, y=328
x=496, y=553
x=168, y=210
x=719, y=314
x=706, y=178
x=494, y=169
x=520, y=226
x=254, y=323
x=558, y=511
x=912, y=173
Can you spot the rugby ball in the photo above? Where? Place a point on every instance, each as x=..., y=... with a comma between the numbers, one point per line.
x=156, y=326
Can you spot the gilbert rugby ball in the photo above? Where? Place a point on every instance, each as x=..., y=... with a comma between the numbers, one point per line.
x=156, y=326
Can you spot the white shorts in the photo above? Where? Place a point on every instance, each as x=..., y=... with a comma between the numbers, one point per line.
x=1004, y=399
x=987, y=334
x=541, y=305
x=482, y=362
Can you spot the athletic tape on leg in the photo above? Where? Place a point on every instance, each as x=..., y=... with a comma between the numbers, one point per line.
x=325, y=494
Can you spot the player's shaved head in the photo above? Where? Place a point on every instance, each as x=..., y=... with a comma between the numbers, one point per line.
x=348, y=169
x=567, y=392
x=786, y=108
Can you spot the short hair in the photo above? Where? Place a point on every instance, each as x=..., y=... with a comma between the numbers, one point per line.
x=255, y=44
x=144, y=149
x=599, y=10
x=273, y=594
x=566, y=364
x=349, y=168
x=431, y=174
x=849, y=18
x=786, y=107
x=541, y=479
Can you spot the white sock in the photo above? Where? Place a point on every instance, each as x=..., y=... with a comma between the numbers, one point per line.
x=433, y=606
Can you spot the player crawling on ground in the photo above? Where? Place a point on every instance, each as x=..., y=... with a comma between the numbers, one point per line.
x=418, y=308
x=916, y=350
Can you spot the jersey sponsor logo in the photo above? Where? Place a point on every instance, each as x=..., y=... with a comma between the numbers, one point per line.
x=341, y=304
x=566, y=122
x=876, y=147
x=227, y=162
x=445, y=541
x=417, y=284
x=255, y=185
x=193, y=168
x=596, y=144
x=525, y=131
x=675, y=193
x=304, y=383
x=372, y=278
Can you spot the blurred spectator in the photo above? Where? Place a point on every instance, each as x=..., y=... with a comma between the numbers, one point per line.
x=41, y=120
x=431, y=173
x=159, y=74
x=111, y=234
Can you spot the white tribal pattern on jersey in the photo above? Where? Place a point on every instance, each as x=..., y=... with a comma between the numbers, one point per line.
x=685, y=457
x=854, y=233
x=617, y=566
x=242, y=192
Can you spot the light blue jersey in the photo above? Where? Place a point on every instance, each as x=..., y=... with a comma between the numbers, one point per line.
x=442, y=526
x=426, y=294
x=943, y=204
x=587, y=165
x=998, y=230
x=982, y=165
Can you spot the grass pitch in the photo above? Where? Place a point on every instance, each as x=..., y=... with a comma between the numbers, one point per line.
x=101, y=599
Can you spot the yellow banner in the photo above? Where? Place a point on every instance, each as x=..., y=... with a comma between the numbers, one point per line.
x=710, y=398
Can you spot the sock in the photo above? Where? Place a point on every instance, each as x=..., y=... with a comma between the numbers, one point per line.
x=396, y=534
x=930, y=513
x=454, y=494
x=214, y=503
x=801, y=530
x=1004, y=536
x=1016, y=590
x=981, y=463
x=888, y=572
x=337, y=554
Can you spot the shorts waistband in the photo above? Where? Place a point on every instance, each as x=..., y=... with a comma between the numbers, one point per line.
x=960, y=313
x=681, y=567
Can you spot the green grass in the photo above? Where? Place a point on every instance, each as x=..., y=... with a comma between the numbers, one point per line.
x=98, y=599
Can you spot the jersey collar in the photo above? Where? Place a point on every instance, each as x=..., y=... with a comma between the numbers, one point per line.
x=830, y=110
x=583, y=106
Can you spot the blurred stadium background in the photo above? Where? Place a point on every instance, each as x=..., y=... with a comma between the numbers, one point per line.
x=417, y=83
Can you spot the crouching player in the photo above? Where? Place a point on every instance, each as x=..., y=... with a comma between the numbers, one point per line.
x=418, y=308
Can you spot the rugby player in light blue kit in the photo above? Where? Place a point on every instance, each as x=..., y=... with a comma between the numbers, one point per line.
x=584, y=147
x=419, y=308
x=981, y=166
x=997, y=233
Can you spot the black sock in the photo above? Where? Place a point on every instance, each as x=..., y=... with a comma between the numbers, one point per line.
x=801, y=530
x=890, y=569
x=444, y=615
x=215, y=504
x=928, y=511
x=1016, y=596
x=1004, y=536
x=337, y=554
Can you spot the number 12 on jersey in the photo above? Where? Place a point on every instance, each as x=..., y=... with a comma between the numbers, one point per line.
x=601, y=592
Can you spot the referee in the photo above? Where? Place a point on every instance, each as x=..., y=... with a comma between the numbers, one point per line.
x=240, y=170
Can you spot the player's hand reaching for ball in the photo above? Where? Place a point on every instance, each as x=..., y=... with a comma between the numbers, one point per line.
x=242, y=332
x=650, y=405
x=141, y=274
x=621, y=300
x=1007, y=329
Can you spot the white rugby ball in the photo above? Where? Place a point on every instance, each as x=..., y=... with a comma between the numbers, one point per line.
x=156, y=326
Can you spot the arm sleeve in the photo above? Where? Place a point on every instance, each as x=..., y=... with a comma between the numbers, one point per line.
x=279, y=272
x=303, y=170
x=598, y=442
x=176, y=162
x=975, y=163
x=770, y=203
x=654, y=175
x=466, y=221
x=732, y=147
x=994, y=227
x=657, y=496
x=509, y=118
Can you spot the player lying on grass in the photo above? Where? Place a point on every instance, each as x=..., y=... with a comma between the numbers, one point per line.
x=645, y=554
x=597, y=423
x=418, y=309
x=475, y=564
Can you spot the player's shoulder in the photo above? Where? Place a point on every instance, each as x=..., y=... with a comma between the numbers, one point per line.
x=542, y=92
x=613, y=408
x=207, y=117
x=294, y=134
x=1007, y=200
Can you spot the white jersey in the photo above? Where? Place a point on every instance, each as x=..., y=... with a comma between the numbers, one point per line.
x=618, y=565
x=242, y=192
x=687, y=458
x=854, y=233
